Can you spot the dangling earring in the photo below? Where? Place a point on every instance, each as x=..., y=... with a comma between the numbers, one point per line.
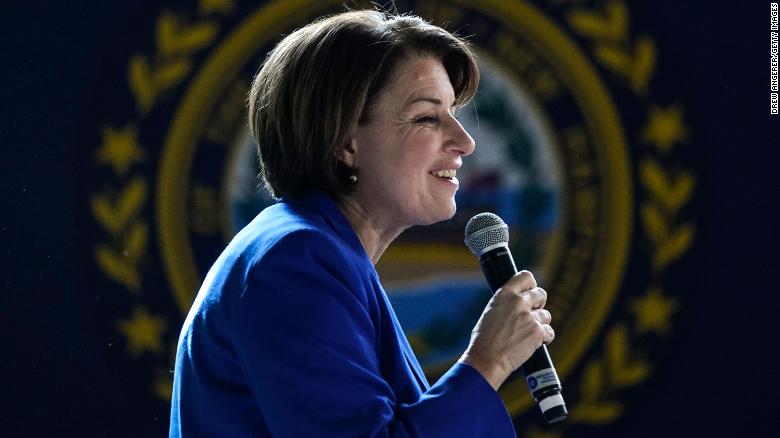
x=352, y=179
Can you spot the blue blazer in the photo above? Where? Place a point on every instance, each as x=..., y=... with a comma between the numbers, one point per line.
x=292, y=335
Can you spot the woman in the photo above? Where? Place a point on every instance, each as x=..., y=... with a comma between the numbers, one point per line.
x=291, y=333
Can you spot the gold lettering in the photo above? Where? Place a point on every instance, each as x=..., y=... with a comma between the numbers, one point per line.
x=576, y=142
x=204, y=210
x=584, y=211
x=441, y=13
x=529, y=66
x=229, y=116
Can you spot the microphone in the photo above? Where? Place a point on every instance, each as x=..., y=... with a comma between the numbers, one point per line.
x=487, y=236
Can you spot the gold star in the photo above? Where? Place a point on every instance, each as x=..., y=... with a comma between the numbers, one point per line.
x=653, y=311
x=143, y=332
x=665, y=127
x=120, y=149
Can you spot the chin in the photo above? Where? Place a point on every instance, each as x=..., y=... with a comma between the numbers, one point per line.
x=441, y=214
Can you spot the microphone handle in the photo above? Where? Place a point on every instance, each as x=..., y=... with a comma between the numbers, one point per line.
x=498, y=266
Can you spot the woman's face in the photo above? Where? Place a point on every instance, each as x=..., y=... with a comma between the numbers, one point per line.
x=410, y=147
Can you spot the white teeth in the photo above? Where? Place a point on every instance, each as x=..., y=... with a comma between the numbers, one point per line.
x=444, y=173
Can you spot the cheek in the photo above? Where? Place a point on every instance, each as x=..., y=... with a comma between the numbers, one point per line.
x=402, y=160
x=419, y=149
x=413, y=170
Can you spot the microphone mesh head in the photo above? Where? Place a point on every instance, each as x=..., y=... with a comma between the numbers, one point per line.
x=484, y=230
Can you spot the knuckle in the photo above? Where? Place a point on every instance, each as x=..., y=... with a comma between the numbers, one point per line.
x=540, y=334
x=525, y=302
x=531, y=297
x=524, y=312
x=551, y=333
x=526, y=279
x=538, y=297
x=544, y=315
x=507, y=289
x=529, y=277
x=509, y=295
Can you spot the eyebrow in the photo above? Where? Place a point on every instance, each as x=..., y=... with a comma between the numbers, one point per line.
x=433, y=100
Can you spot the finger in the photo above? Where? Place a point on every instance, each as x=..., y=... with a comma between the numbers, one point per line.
x=543, y=316
x=536, y=297
x=522, y=281
x=549, y=333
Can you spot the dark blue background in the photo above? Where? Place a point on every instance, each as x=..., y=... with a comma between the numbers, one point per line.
x=53, y=371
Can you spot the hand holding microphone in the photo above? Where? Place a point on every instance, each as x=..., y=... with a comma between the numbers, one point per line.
x=514, y=326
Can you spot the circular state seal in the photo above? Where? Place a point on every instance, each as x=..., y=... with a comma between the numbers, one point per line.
x=597, y=201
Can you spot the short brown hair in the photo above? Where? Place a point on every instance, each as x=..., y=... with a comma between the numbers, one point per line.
x=316, y=84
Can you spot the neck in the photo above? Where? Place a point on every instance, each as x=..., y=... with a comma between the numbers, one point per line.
x=374, y=233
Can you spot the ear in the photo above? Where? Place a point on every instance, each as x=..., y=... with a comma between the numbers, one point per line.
x=348, y=154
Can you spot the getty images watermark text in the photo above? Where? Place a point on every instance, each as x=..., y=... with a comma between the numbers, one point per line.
x=774, y=103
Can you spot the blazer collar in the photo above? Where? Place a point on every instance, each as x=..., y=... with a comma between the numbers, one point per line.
x=324, y=204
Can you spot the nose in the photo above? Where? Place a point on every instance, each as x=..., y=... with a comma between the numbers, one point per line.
x=459, y=141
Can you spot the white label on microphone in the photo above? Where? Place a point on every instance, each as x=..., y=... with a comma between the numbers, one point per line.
x=542, y=379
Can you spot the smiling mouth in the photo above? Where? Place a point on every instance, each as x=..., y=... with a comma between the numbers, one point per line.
x=446, y=174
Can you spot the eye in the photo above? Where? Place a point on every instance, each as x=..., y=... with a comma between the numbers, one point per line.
x=427, y=120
